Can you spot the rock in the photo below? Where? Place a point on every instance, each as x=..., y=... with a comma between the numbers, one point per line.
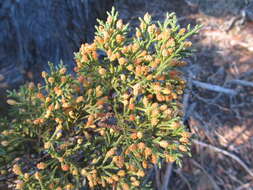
x=35, y=32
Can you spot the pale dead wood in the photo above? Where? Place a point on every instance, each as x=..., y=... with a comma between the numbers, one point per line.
x=214, y=88
x=167, y=175
x=242, y=44
x=230, y=24
x=242, y=82
x=245, y=186
x=238, y=160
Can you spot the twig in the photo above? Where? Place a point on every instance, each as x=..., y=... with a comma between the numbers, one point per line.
x=230, y=24
x=245, y=186
x=234, y=178
x=167, y=175
x=215, y=186
x=187, y=93
x=183, y=178
x=191, y=4
x=242, y=44
x=213, y=87
x=242, y=82
x=186, y=102
x=210, y=101
x=246, y=74
x=238, y=160
x=157, y=177
x=162, y=182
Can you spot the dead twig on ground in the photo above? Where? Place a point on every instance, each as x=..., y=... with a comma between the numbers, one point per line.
x=213, y=87
x=245, y=186
x=215, y=186
x=246, y=74
x=233, y=178
x=178, y=171
x=230, y=24
x=238, y=160
x=242, y=82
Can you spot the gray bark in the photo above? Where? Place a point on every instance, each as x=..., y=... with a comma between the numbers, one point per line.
x=34, y=32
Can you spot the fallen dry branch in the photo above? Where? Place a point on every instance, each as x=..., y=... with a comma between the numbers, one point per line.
x=213, y=87
x=179, y=173
x=245, y=186
x=242, y=44
x=238, y=160
x=215, y=186
x=242, y=82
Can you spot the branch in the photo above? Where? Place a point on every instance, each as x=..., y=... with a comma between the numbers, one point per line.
x=213, y=87
x=245, y=186
x=238, y=160
x=242, y=82
x=178, y=172
x=215, y=186
x=157, y=178
x=166, y=177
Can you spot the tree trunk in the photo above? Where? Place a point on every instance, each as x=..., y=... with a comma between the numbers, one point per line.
x=35, y=32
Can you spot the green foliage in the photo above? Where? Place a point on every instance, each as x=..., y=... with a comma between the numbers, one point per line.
x=107, y=125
